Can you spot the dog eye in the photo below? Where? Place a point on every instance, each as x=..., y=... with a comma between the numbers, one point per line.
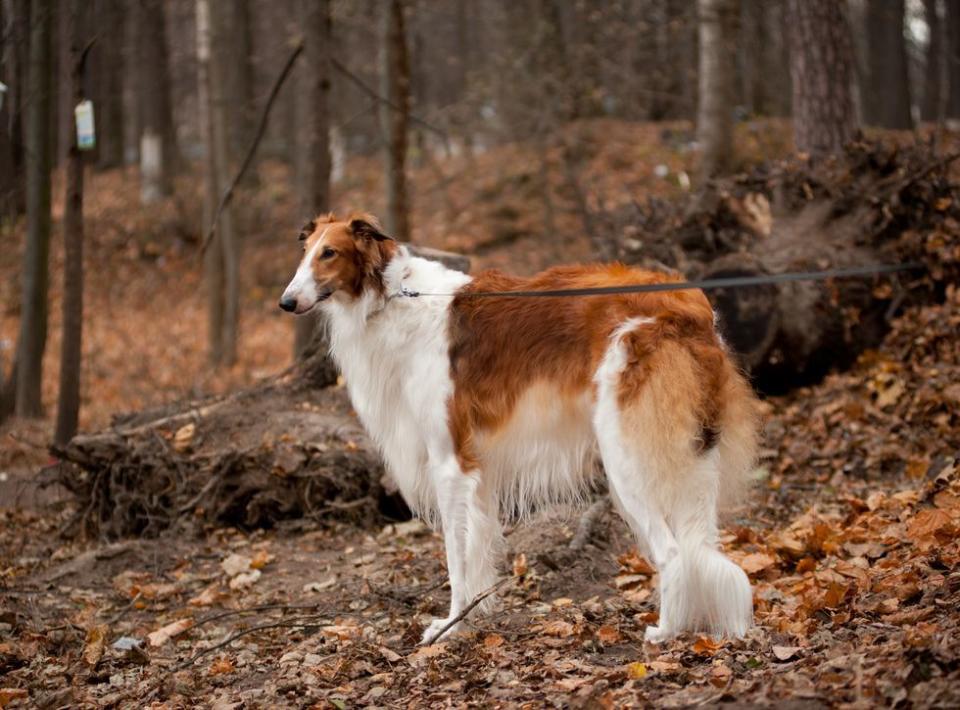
x=328, y=253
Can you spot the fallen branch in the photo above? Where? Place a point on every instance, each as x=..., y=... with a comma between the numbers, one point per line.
x=470, y=607
x=589, y=521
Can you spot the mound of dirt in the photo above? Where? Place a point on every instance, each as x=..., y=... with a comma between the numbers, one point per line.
x=876, y=203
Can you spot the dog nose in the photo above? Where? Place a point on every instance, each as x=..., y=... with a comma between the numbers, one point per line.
x=288, y=304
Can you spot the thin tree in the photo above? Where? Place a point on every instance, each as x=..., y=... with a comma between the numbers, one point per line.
x=718, y=21
x=314, y=115
x=953, y=58
x=395, y=115
x=821, y=70
x=107, y=58
x=68, y=406
x=932, y=107
x=158, y=145
x=221, y=258
x=32, y=338
x=887, y=101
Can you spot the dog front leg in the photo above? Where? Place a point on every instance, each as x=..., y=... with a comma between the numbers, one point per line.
x=458, y=505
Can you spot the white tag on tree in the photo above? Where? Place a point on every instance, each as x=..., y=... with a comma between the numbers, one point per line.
x=86, y=133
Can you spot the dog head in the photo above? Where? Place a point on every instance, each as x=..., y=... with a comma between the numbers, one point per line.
x=341, y=259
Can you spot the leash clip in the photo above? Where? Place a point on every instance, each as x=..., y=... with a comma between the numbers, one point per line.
x=407, y=293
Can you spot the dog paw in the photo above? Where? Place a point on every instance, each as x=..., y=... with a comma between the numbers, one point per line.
x=433, y=632
x=656, y=634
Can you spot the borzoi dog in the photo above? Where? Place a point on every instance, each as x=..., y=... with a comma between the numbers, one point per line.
x=489, y=406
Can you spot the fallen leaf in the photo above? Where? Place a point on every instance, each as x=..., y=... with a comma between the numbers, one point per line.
x=183, y=439
x=164, y=634
x=493, y=641
x=706, y=646
x=246, y=579
x=235, y=564
x=927, y=523
x=210, y=595
x=633, y=562
x=559, y=628
x=637, y=671
x=520, y=565
x=93, y=648
x=391, y=656
x=757, y=562
x=261, y=559
x=9, y=694
x=785, y=653
x=608, y=635
x=221, y=666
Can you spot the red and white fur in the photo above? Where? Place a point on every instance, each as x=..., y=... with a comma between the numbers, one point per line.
x=490, y=406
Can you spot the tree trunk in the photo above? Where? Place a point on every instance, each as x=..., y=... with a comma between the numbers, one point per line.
x=821, y=71
x=13, y=196
x=718, y=24
x=887, y=102
x=108, y=54
x=33, y=315
x=158, y=149
x=224, y=247
x=310, y=342
x=68, y=407
x=395, y=117
x=953, y=57
x=933, y=64
x=213, y=261
x=239, y=76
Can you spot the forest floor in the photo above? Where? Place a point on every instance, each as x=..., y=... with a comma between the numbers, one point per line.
x=850, y=533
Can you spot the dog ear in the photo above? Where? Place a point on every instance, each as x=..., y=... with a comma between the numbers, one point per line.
x=306, y=230
x=367, y=227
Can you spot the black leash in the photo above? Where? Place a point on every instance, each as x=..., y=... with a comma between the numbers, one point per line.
x=704, y=284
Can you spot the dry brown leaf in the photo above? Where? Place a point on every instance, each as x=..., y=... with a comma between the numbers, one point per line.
x=927, y=523
x=785, y=653
x=559, y=628
x=162, y=635
x=183, y=439
x=493, y=641
x=221, y=666
x=94, y=645
x=757, y=562
x=8, y=695
x=520, y=565
x=608, y=635
x=261, y=559
x=706, y=646
x=634, y=563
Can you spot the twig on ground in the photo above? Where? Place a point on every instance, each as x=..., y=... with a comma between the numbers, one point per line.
x=470, y=607
x=588, y=522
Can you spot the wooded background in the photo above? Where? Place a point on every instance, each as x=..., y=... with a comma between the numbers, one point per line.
x=180, y=87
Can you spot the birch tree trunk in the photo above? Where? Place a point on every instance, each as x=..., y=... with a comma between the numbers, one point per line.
x=395, y=117
x=718, y=20
x=33, y=314
x=821, y=70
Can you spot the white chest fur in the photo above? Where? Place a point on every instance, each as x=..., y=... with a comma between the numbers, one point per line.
x=394, y=355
